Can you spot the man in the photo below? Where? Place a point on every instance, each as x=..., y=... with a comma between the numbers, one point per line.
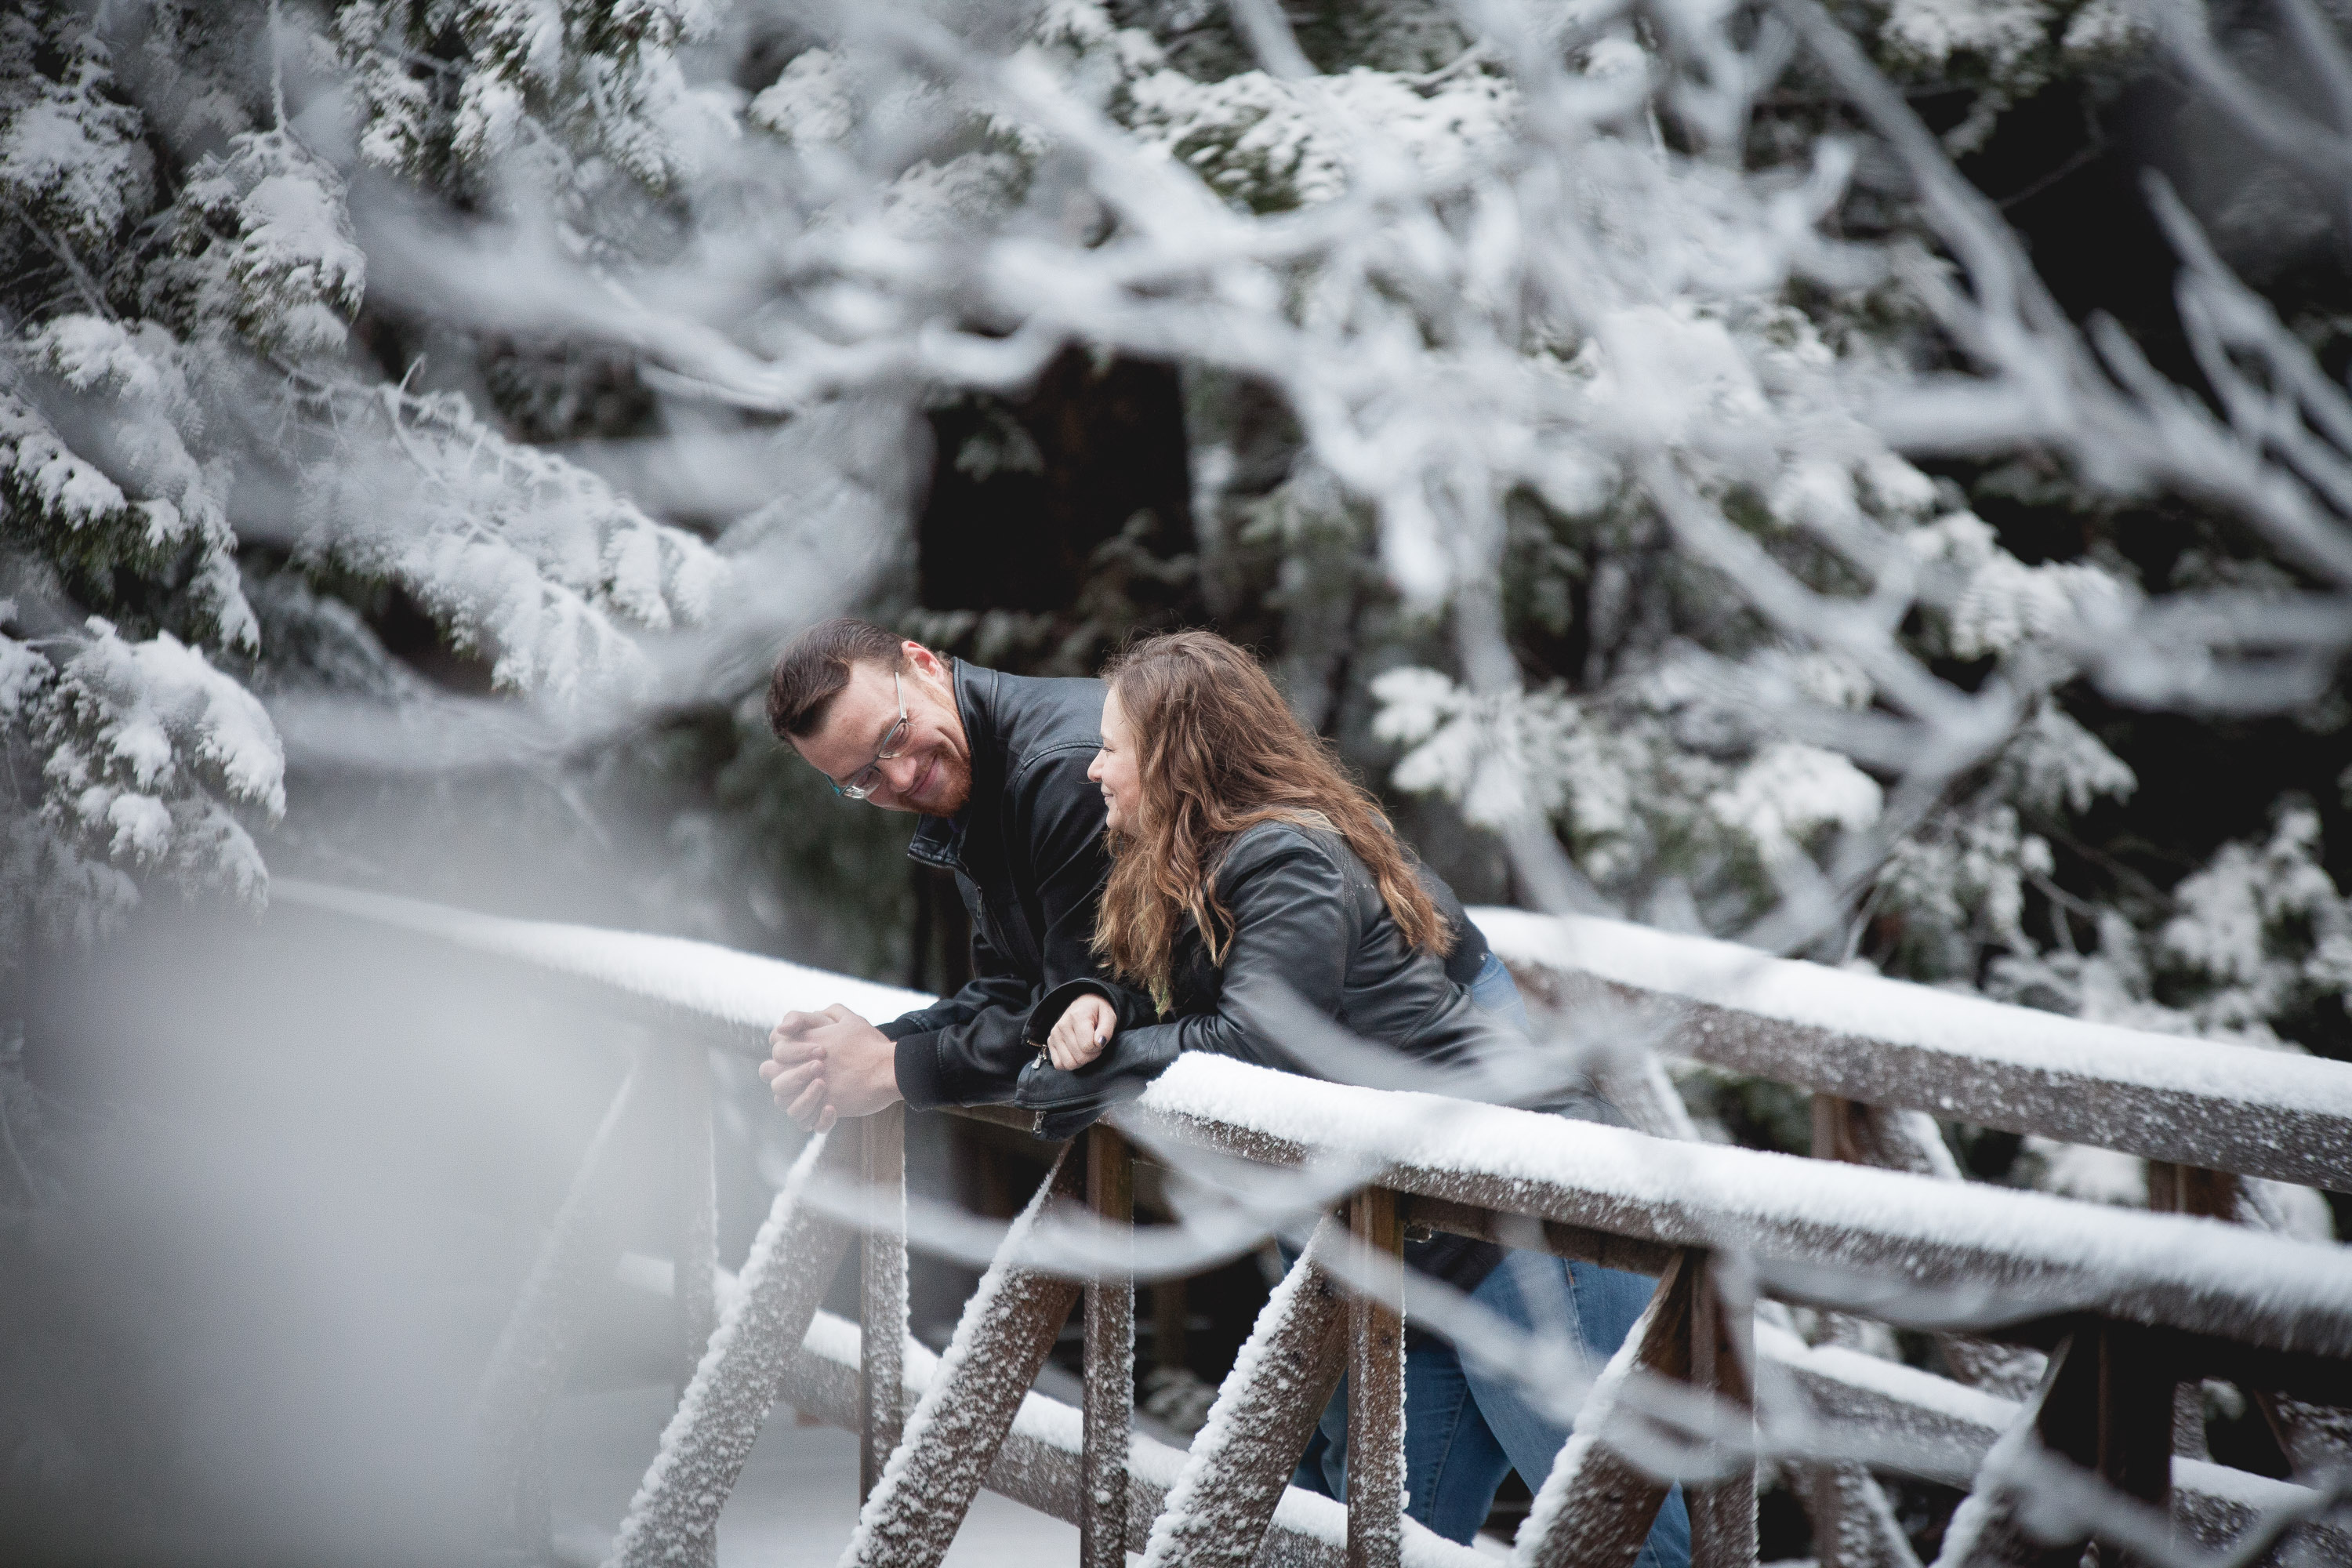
x=996, y=766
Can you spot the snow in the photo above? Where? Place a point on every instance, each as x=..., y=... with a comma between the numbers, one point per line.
x=1873, y=1007
x=995, y=1525
x=795, y=1503
x=23, y=672
x=719, y=982
x=156, y=699
x=1266, y=143
x=1305, y=1514
x=516, y=551
x=2002, y=602
x=140, y=735
x=87, y=351
x=1995, y=34
x=2059, y=1253
x=1498, y=758
x=1892, y=1380
x=1789, y=790
x=142, y=827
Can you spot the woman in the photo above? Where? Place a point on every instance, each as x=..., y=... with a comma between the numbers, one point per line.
x=1251, y=879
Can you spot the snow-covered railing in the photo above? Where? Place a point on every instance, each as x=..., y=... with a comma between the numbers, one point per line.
x=1863, y=1037
x=2129, y=1307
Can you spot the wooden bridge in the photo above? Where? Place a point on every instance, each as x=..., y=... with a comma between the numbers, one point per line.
x=2079, y=1332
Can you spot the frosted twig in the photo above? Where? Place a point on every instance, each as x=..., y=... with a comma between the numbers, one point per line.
x=2279, y=130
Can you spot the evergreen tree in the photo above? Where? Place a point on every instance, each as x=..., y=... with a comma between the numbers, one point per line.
x=200, y=465
x=1510, y=523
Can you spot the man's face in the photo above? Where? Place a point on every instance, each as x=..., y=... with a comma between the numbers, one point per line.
x=932, y=770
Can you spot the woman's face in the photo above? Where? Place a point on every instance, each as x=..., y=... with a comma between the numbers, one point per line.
x=1115, y=769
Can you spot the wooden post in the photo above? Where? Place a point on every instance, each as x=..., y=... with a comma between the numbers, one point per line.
x=1835, y=1134
x=1168, y=1312
x=882, y=1296
x=1723, y=1363
x=2191, y=1189
x=2307, y=1437
x=1596, y=1507
x=2106, y=1408
x=1110, y=1412
x=1376, y=1385
x=1853, y=1525
x=1007, y=1330
x=1861, y=1530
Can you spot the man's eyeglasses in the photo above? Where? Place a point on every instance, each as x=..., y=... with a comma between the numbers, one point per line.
x=867, y=779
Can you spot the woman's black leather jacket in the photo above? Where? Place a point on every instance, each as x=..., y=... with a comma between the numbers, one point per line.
x=1313, y=945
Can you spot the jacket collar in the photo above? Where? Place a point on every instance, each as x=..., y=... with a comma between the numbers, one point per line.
x=939, y=840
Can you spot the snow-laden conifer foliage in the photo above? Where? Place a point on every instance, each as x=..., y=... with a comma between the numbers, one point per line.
x=185, y=415
x=1614, y=419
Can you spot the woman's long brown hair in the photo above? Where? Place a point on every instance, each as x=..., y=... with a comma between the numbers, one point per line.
x=1220, y=751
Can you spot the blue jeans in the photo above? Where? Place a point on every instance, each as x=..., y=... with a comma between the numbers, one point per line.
x=1465, y=1429
x=1495, y=992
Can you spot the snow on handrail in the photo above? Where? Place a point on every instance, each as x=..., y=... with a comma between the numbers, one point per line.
x=719, y=985
x=2021, y=1253
x=2272, y=1113
x=1989, y=1254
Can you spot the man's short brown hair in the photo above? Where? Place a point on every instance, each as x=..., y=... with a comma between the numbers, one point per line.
x=811, y=672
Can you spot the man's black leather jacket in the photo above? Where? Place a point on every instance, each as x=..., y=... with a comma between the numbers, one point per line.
x=1028, y=856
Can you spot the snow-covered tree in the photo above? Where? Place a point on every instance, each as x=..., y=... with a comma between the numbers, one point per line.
x=1616, y=422
x=1640, y=434
x=187, y=426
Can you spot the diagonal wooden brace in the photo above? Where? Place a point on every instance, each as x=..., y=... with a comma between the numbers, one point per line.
x=671, y=1519
x=1218, y=1510
x=953, y=1436
x=882, y=1296
x=1596, y=1507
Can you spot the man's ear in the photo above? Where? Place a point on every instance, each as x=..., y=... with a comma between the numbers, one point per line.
x=924, y=662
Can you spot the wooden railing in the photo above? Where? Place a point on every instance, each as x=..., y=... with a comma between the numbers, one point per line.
x=2128, y=1308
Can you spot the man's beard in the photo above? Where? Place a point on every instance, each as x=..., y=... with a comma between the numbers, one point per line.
x=949, y=786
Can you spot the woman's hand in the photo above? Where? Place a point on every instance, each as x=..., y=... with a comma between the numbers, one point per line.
x=1084, y=1029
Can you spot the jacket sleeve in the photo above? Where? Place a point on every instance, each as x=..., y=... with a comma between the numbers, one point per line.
x=1293, y=935
x=994, y=985
x=973, y=1053
x=1133, y=1007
